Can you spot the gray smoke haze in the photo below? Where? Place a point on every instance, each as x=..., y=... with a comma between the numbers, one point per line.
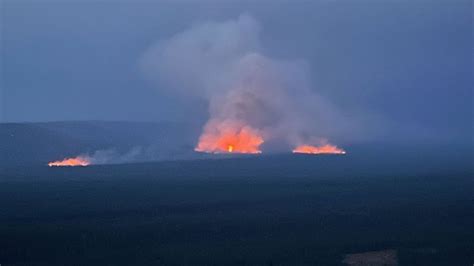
x=109, y=156
x=133, y=155
x=390, y=71
x=225, y=64
x=112, y=156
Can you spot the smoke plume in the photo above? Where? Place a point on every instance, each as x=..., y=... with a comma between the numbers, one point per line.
x=249, y=93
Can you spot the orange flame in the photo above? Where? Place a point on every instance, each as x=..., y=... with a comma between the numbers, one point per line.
x=77, y=161
x=324, y=149
x=223, y=139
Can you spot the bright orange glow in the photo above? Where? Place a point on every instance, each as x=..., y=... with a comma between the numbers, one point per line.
x=77, y=161
x=324, y=149
x=222, y=139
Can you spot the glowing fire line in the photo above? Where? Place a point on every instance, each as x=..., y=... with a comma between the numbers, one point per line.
x=324, y=149
x=76, y=161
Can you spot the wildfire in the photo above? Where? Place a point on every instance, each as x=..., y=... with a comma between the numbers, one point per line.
x=77, y=161
x=230, y=140
x=324, y=149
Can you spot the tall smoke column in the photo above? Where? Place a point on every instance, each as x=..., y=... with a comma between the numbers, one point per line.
x=252, y=98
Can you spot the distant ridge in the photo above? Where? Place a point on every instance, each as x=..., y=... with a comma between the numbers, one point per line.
x=38, y=143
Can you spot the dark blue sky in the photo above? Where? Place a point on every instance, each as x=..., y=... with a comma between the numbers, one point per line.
x=406, y=62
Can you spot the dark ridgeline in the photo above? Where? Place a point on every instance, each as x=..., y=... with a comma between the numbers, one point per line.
x=24, y=144
x=282, y=209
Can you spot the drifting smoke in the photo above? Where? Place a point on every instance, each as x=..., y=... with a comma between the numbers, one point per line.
x=253, y=99
x=110, y=156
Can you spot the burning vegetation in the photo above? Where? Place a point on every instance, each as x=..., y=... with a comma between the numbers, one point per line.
x=252, y=98
x=76, y=161
x=230, y=140
x=324, y=149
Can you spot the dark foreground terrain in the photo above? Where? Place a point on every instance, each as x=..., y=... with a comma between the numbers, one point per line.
x=274, y=210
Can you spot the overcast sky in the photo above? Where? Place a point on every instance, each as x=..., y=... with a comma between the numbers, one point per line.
x=405, y=62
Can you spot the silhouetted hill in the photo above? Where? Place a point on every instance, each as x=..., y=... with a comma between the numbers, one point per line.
x=266, y=209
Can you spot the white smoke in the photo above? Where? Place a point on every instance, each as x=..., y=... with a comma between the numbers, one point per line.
x=225, y=64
